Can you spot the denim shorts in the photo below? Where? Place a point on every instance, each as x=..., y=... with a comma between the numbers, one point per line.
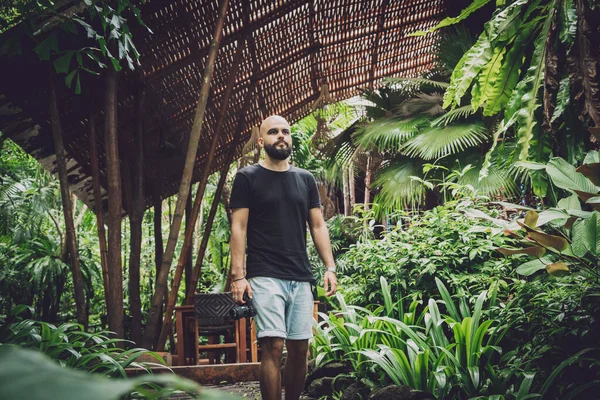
x=284, y=308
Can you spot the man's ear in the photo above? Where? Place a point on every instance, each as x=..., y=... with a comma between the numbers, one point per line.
x=260, y=142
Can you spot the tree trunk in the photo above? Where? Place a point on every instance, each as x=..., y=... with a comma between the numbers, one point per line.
x=186, y=180
x=99, y=212
x=82, y=317
x=368, y=182
x=115, y=271
x=346, y=189
x=190, y=249
x=135, y=220
x=351, y=188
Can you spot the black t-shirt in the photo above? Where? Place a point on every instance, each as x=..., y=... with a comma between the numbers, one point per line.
x=278, y=204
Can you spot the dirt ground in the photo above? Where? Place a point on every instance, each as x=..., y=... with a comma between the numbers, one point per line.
x=246, y=390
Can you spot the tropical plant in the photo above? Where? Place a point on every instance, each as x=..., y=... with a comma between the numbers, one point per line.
x=31, y=373
x=574, y=238
x=413, y=348
x=532, y=63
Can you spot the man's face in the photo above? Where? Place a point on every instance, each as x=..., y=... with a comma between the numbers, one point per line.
x=275, y=137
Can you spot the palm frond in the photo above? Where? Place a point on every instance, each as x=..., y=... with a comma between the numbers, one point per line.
x=421, y=103
x=416, y=83
x=441, y=141
x=454, y=115
x=389, y=134
x=397, y=188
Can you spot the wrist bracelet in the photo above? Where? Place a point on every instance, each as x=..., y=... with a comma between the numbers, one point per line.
x=238, y=279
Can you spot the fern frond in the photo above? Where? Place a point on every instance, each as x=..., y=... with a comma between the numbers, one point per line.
x=416, y=83
x=441, y=141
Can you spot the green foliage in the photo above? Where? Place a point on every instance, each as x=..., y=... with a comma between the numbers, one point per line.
x=420, y=247
x=30, y=372
x=413, y=348
x=104, y=35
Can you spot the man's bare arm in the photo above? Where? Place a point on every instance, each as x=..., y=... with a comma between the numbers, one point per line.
x=237, y=245
x=320, y=236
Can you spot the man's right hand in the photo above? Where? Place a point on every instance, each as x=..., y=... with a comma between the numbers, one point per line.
x=238, y=288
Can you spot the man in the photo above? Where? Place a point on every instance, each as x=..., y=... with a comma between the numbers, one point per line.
x=272, y=201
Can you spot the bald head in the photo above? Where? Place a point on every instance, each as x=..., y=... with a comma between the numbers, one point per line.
x=273, y=121
x=275, y=137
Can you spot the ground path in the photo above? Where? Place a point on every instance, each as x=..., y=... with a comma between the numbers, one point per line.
x=246, y=390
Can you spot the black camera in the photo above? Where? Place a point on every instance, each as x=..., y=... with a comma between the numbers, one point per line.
x=246, y=310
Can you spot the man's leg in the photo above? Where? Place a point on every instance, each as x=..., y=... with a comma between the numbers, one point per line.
x=295, y=368
x=270, y=368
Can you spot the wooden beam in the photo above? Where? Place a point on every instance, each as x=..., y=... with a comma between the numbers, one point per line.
x=99, y=212
x=59, y=149
x=189, y=229
x=154, y=315
x=208, y=374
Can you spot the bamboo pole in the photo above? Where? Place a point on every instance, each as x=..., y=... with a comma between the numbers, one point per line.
x=115, y=271
x=154, y=314
x=189, y=298
x=135, y=221
x=99, y=212
x=199, y=195
x=59, y=147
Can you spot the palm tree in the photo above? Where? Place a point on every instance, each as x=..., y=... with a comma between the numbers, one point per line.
x=416, y=141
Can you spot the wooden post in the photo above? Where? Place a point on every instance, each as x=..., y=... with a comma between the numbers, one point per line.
x=59, y=148
x=189, y=231
x=154, y=315
x=135, y=221
x=99, y=212
x=115, y=271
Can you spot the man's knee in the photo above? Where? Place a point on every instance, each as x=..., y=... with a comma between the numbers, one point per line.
x=272, y=346
x=297, y=348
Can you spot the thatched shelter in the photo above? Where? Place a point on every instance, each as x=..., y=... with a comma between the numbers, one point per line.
x=290, y=49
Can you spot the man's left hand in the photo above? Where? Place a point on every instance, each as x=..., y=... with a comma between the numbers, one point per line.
x=330, y=283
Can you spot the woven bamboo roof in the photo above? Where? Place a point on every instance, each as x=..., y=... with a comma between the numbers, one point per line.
x=289, y=48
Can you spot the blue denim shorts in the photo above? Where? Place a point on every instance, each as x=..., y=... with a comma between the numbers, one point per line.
x=284, y=308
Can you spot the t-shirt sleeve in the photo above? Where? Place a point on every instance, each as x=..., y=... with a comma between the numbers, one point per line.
x=313, y=191
x=240, y=192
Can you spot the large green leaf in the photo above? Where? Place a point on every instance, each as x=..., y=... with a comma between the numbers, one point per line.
x=533, y=266
x=467, y=69
x=441, y=141
x=567, y=23
x=570, y=203
x=592, y=157
x=527, y=99
x=30, y=374
x=483, y=88
x=565, y=176
x=592, y=233
x=579, y=235
x=448, y=21
x=508, y=75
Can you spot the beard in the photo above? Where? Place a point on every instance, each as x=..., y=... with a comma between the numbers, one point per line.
x=278, y=153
